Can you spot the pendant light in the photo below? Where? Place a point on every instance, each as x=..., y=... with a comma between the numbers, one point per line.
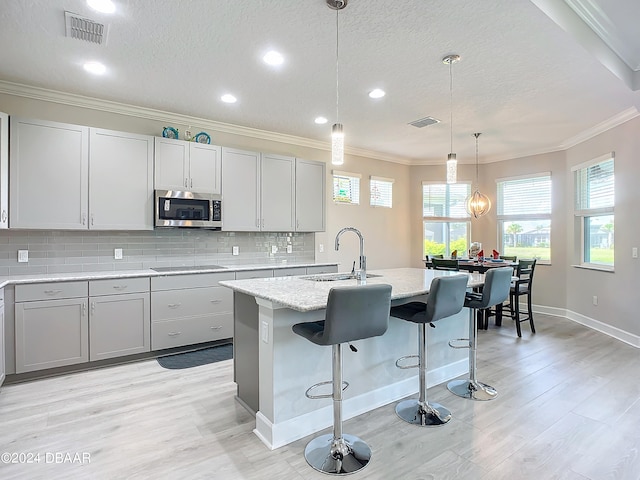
x=452, y=162
x=337, y=133
x=478, y=203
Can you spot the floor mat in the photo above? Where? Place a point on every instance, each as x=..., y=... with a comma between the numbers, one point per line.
x=197, y=357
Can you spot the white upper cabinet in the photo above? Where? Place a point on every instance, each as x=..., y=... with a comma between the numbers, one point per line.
x=277, y=195
x=310, y=196
x=70, y=177
x=240, y=190
x=4, y=170
x=48, y=175
x=120, y=181
x=187, y=166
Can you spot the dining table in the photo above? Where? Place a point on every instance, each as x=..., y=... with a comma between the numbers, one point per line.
x=471, y=265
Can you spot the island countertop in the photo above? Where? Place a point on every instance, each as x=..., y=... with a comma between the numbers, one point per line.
x=305, y=295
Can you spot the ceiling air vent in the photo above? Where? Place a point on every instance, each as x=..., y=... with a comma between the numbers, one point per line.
x=85, y=29
x=424, y=122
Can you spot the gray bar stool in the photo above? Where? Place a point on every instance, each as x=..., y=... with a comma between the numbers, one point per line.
x=353, y=313
x=446, y=298
x=495, y=290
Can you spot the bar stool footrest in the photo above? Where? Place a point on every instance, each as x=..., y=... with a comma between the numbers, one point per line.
x=406, y=357
x=324, y=395
x=467, y=344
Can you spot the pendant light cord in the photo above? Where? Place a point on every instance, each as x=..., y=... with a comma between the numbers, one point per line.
x=337, y=68
x=451, y=102
x=476, y=135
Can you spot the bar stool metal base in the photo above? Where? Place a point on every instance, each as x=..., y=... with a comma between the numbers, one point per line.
x=337, y=456
x=425, y=414
x=472, y=389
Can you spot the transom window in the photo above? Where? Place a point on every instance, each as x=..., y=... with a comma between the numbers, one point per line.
x=446, y=222
x=594, y=210
x=524, y=216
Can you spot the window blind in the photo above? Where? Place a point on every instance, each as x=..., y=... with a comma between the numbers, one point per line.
x=381, y=192
x=346, y=187
x=595, y=188
x=525, y=196
x=445, y=200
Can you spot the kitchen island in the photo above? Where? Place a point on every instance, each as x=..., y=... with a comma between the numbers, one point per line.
x=273, y=367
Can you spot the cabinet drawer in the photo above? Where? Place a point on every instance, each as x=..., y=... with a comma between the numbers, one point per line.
x=245, y=274
x=118, y=285
x=190, y=302
x=188, y=331
x=315, y=270
x=289, y=272
x=50, y=291
x=170, y=282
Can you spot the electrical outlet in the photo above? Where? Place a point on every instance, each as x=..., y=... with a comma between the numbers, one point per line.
x=274, y=249
x=321, y=248
x=289, y=249
x=235, y=250
x=23, y=256
x=117, y=254
x=634, y=252
x=265, y=332
x=595, y=300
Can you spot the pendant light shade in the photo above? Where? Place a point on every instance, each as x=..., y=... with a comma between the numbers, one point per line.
x=478, y=203
x=452, y=162
x=337, y=132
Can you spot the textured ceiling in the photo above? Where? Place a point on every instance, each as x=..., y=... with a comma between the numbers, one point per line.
x=526, y=81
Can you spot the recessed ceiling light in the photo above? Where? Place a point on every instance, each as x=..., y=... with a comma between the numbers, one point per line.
x=320, y=120
x=377, y=93
x=95, y=67
x=273, y=58
x=102, y=6
x=228, y=98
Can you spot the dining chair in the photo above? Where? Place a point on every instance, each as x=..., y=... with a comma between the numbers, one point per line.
x=522, y=286
x=445, y=264
x=509, y=258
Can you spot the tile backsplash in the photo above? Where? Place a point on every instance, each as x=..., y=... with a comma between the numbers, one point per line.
x=55, y=251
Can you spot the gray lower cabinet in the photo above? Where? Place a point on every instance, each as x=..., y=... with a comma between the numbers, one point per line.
x=3, y=368
x=190, y=309
x=50, y=333
x=120, y=322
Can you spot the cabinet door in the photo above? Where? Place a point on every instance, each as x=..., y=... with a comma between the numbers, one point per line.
x=171, y=162
x=48, y=175
x=205, y=168
x=51, y=333
x=310, y=196
x=120, y=181
x=4, y=170
x=277, y=196
x=119, y=325
x=3, y=368
x=240, y=190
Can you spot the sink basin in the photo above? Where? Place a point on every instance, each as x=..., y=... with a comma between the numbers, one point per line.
x=334, y=277
x=187, y=268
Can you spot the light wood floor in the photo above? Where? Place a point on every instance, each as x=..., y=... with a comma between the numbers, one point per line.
x=568, y=408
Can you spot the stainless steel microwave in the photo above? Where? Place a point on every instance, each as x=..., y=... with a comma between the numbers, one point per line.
x=188, y=209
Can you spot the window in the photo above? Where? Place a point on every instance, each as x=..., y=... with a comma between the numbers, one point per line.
x=524, y=217
x=346, y=187
x=381, y=191
x=594, y=203
x=446, y=223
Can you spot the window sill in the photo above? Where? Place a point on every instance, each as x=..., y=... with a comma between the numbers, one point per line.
x=596, y=268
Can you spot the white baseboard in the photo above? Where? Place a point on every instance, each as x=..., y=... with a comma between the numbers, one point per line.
x=283, y=433
x=614, y=332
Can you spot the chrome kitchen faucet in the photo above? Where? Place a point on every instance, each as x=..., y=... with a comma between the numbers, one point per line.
x=361, y=274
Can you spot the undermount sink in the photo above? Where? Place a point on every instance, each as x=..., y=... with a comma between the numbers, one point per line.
x=187, y=268
x=334, y=277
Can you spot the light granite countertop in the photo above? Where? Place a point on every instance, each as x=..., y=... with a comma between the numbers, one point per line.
x=114, y=274
x=305, y=295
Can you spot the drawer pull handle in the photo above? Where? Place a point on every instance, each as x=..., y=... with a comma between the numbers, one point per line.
x=52, y=292
x=120, y=287
x=174, y=334
x=216, y=301
x=216, y=328
x=174, y=305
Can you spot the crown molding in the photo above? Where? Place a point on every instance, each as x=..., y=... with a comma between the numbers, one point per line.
x=608, y=124
x=74, y=100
